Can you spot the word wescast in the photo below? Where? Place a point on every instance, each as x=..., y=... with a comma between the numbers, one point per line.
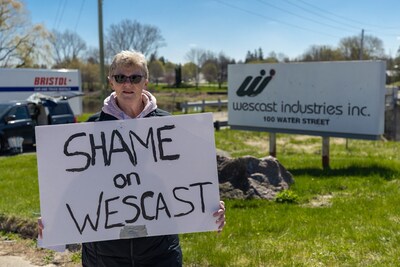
x=148, y=207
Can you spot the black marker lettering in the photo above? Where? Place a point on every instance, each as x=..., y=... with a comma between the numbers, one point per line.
x=150, y=137
x=146, y=195
x=102, y=147
x=162, y=140
x=124, y=148
x=182, y=200
x=108, y=213
x=201, y=193
x=87, y=218
x=126, y=201
x=76, y=153
x=160, y=199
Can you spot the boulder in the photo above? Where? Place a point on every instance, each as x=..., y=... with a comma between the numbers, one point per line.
x=249, y=177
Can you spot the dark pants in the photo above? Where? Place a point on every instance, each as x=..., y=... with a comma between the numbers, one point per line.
x=162, y=251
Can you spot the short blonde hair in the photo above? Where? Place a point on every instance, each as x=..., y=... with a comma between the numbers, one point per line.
x=126, y=59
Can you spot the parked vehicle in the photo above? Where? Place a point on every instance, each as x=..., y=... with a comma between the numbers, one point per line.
x=19, y=118
x=16, y=121
x=60, y=113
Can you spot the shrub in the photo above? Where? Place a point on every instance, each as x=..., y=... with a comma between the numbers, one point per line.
x=286, y=196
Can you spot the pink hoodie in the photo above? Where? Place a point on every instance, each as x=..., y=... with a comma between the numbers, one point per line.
x=111, y=107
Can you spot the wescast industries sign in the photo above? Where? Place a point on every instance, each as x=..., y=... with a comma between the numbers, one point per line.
x=342, y=99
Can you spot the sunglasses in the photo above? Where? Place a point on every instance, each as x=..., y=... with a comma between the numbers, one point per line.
x=120, y=78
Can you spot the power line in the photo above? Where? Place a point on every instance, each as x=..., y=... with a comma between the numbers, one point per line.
x=273, y=19
x=57, y=13
x=79, y=14
x=363, y=24
x=61, y=15
x=318, y=14
x=303, y=17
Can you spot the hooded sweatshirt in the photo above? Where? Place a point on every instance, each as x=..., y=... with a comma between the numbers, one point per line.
x=110, y=106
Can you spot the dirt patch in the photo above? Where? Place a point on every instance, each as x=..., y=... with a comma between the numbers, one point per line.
x=262, y=145
x=25, y=244
x=27, y=249
x=320, y=201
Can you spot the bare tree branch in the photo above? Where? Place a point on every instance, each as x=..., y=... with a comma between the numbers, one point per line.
x=131, y=35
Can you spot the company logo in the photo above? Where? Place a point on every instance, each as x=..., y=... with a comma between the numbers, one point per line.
x=50, y=81
x=253, y=87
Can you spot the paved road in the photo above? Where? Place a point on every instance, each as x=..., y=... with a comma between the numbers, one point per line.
x=220, y=116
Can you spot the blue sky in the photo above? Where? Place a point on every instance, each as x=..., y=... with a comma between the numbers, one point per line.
x=231, y=26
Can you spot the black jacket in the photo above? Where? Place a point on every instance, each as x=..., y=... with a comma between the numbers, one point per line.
x=161, y=251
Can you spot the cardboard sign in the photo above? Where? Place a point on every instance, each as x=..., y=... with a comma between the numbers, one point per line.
x=343, y=99
x=127, y=178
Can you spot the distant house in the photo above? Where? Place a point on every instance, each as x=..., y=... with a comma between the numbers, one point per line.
x=392, y=76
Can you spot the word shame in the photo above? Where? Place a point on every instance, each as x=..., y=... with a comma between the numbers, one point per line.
x=154, y=141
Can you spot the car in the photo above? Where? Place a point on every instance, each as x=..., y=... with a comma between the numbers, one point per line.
x=18, y=120
x=60, y=113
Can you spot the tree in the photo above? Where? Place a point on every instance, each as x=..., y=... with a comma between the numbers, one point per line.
x=178, y=76
x=210, y=71
x=322, y=53
x=350, y=48
x=272, y=58
x=197, y=57
x=131, y=35
x=189, y=72
x=67, y=46
x=169, y=73
x=92, y=55
x=156, y=70
x=90, y=75
x=260, y=54
x=222, y=62
x=21, y=43
x=258, y=57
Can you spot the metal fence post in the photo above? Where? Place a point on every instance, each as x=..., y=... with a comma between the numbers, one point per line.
x=325, y=152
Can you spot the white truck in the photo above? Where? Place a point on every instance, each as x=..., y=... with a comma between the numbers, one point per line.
x=32, y=97
x=20, y=84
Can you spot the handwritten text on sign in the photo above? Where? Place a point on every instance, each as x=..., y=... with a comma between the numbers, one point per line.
x=126, y=179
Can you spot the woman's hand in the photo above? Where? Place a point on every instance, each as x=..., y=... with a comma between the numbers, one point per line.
x=220, y=213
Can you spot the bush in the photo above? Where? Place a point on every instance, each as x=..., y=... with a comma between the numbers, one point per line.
x=286, y=196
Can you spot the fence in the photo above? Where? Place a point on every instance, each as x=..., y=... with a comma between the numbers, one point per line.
x=200, y=106
x=392, y=114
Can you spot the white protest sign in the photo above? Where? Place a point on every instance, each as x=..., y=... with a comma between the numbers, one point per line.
x=127, y=178
x=344, y=99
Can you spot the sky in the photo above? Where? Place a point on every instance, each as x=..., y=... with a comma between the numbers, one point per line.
x=234, y=27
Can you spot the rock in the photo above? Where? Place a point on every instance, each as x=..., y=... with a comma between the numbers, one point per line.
x=249, y=177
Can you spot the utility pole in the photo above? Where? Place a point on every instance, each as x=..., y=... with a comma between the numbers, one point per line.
x=362, y=44
x=361, y=58
x=101, y=47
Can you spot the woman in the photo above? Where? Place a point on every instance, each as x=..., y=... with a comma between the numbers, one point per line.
x=128, y=77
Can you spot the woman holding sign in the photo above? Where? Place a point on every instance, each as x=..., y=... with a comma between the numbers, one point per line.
x=128, y=78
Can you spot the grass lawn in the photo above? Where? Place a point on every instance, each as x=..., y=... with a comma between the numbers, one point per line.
x=347, y=215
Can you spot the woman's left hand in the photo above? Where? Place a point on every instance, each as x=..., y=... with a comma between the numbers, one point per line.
x=220, y=213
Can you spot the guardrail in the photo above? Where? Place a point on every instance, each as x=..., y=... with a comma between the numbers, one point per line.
x=219, y=124
x=201, y=105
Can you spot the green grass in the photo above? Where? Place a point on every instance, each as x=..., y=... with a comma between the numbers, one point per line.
x=19, y=186
x=347, y=215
